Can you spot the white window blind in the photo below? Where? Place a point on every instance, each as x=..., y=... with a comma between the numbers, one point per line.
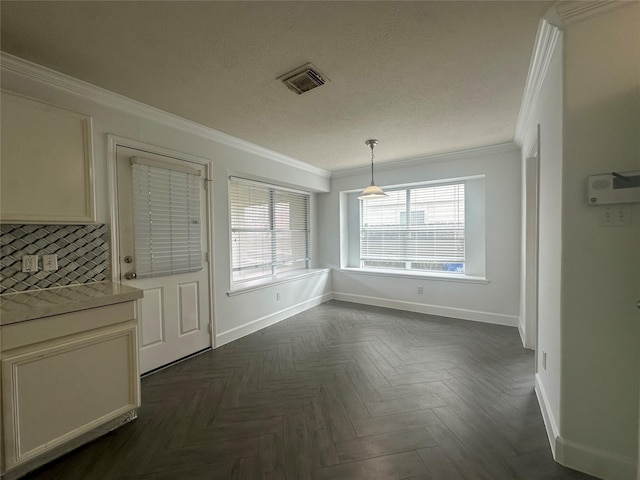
x=166, y=216
x=416, y=228
x=269, y=229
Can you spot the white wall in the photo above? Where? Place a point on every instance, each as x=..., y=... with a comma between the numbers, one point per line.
x=234, y=316
x=588, y=109
x=600, y=265
x=496, y=301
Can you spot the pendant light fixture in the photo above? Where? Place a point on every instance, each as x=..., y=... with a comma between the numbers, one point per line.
x=372, y=191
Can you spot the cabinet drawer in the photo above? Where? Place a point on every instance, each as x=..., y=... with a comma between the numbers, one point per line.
x=49, y=328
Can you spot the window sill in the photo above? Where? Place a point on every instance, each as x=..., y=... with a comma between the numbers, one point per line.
x=252, y=285
x=446, y=277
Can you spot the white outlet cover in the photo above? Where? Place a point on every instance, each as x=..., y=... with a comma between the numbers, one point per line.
x=29, y=263
x=50, y=263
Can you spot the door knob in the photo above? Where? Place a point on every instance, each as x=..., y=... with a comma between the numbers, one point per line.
x=638, y=304
x=130, y=275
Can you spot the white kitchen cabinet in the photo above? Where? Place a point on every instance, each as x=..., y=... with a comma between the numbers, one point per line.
x=47, y=163
x=65, y=380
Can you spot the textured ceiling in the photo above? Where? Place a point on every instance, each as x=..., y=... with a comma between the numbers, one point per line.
x=422, y=77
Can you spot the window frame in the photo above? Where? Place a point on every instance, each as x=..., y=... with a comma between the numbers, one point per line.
x=276, y=274
x=408, y=194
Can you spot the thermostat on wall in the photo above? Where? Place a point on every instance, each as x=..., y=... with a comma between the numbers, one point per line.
x=615, y=187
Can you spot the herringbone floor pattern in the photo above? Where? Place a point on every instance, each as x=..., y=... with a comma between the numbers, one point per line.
x=340, y=391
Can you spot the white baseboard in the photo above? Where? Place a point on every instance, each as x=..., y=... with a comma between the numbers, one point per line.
x=595, y=462
x=578, y=456
x=521, y=331
x=260, y=323
x=452, y=312
x=547, y=415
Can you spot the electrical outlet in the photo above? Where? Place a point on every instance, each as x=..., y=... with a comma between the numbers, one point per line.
x=278, y=296
x=50, y=262
x=544, y=360
x=29, y=263
x=420, y=290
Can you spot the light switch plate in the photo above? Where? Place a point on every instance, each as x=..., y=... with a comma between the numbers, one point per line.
x=615, y=215
x=29, y=263
x=50, y=262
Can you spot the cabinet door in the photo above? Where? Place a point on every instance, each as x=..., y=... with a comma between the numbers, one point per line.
x=47, y=164
x=56, y=391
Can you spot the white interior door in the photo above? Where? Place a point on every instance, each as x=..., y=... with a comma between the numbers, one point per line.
x=174, y=315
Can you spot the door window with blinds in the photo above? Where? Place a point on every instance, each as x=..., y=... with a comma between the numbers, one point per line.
x=269, y=230
x=418, y=228
x=166, y=216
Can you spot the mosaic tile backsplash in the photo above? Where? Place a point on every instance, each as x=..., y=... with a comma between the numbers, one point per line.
x=83, y=255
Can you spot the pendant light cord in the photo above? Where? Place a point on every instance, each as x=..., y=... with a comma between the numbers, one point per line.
x=372, y=191
x=372, y=156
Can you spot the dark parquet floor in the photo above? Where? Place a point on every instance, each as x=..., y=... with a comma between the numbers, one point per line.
x=341, y=391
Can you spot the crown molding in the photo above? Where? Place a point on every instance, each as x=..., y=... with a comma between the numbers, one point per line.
x=438, y=158
x=573, y=11
x=110, y=99
x=547, y=38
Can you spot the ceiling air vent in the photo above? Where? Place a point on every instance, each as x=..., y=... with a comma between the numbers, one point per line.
x=303, y=79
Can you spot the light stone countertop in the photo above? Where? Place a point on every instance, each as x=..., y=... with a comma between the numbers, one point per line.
x=20, y=307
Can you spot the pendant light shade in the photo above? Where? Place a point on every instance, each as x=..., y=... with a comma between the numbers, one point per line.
x=372, y=191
